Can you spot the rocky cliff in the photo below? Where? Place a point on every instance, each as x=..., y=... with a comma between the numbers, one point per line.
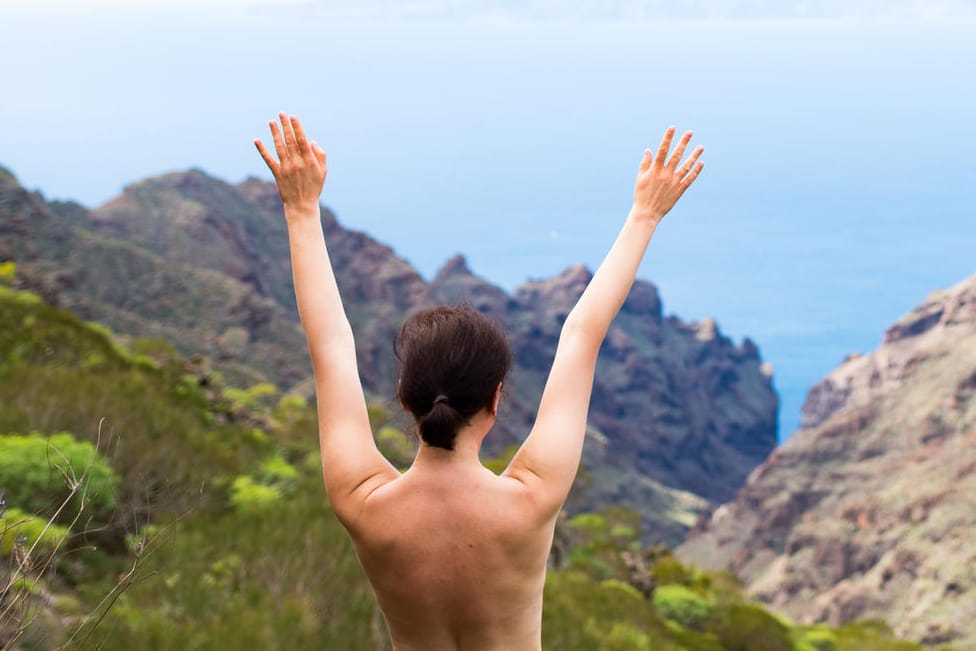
x=680, y=413
x=868, y=511
x=68, y=255
x=679, y=401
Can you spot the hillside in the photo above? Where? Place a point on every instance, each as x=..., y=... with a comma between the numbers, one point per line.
x=868, y=511
x=680, y=413
x=61, y=255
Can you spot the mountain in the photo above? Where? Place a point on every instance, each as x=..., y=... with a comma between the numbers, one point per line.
x=868, y=511
x=63, y=254
x=195, y=221
x=680, y=413
x=680, y=402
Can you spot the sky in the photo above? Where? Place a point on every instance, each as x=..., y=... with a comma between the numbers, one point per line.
x=838, y=183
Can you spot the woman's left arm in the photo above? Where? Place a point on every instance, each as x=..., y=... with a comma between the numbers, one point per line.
x=352, y=467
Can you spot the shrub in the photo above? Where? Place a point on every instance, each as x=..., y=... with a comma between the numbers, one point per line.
x=626, y=588
x=669, y=570
x=256, y=398
x=820, y=639
x=31, y=531
x=248, y=496
x=288, y=404
x=38, y=473
x=743, y=627
x=624, y=637
x=8, y=271
x=682, y=605
x=275, y=469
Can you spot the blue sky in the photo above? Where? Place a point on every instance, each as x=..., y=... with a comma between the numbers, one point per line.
x=838, y=186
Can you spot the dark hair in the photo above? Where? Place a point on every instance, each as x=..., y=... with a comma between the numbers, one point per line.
x=450, y=362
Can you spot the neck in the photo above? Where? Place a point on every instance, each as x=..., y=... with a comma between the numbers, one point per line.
x=467, y=445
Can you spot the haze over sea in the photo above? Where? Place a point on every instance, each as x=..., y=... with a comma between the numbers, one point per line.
x=838, y=187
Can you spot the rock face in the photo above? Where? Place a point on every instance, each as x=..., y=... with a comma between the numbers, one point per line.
x=378, y=289
x=680, y=402
x=127, y=270
x=680, y=414
x=868, y=511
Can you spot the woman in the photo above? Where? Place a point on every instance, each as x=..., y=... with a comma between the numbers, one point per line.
x=455, y=554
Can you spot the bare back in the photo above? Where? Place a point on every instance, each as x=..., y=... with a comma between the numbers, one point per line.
x=457, y=559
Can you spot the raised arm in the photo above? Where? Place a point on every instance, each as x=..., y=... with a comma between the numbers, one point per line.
x=351, y=465
x=547, y=461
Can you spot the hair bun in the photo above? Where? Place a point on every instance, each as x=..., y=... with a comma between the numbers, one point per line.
x=454, y=349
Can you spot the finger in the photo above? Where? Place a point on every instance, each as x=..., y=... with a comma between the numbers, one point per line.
x=279, y=143
x=688, y=180
x=319, y=154
x=646, y=160
x=662, y=150
x=289, y=133
x=300, y=138
x=679, y=151
x=691, y=160
x=266, y=155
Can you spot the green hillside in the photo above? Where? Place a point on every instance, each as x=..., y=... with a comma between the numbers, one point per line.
x=150, y=506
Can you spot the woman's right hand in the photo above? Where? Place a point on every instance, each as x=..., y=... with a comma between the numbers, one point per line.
x=661, y=181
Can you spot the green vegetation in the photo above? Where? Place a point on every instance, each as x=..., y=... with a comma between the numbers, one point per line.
x=39, y=472
x=204, y=522
x=20, y=529
x=682, y=605
x=254, y=398
x=8, y=272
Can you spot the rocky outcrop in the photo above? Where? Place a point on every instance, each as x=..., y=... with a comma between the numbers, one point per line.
x=868, y=510
x=141, y=285
x=676, y=402
x=379, y=289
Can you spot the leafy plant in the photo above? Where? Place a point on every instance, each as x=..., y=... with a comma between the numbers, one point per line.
x=682, y=605
x=747, y=627
x=29, y=533
x=249, y=495
x=38, y=472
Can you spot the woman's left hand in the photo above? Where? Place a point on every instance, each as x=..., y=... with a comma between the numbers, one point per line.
x=300, y=170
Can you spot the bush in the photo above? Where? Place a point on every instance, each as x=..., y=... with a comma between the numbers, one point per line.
x=38, y=473
x=275, y=470
x=256, y=398
x=820, y=639
x=624, y=637
x=248, y=496
x=8, y=272
x=682, y=605
x=669, y=570
x=743, y=627
x=31, y=531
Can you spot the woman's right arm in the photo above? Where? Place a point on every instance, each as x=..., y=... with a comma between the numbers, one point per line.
x=548, y=459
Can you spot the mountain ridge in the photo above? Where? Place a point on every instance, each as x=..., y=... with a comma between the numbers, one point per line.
x=868, y=510
x=204, y=263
